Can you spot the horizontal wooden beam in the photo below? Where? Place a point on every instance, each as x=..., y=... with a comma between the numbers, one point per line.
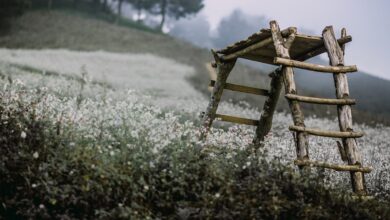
x=237, y=120
x=334, y=134
x=323, y=101
x=244, y=89
x=315, y=67
x=321, y=49
x=246, y=50
x=286, y=32
x=337, y=167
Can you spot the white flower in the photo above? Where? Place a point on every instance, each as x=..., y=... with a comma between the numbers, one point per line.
x=41, y=206
x=34, y=185
x=146, y=187
x=23, y=135
x=217, y=195
x=112, y=153
x=35, y=155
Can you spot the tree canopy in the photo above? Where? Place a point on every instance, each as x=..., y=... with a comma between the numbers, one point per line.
x=161, y=9
x=11, y=8
x=176, y=9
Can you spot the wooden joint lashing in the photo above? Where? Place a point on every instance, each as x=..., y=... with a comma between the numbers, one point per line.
x=337, y=167
x=324, y=101
x=237, y=120
x=315, y=67
x=244, y=89
x=323, y=133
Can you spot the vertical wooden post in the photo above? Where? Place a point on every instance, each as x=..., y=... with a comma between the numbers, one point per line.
x=336, y=57
x=223, y=71
x=265, y=122
x=282, y=47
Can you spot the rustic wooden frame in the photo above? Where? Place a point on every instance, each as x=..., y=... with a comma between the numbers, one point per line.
x=282, y=42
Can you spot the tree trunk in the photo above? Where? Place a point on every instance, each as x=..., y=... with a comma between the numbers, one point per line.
x=163, y=13
x=119, y=12
x=139, y=10
x=75, y=3
x=104, y=6
x=49, y=4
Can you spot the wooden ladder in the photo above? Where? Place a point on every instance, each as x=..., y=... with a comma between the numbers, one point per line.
x=348, y=149
x=285, y=75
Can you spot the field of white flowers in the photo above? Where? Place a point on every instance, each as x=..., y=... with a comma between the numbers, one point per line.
x=95, y=92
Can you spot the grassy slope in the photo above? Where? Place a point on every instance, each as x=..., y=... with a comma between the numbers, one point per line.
x=59, y=29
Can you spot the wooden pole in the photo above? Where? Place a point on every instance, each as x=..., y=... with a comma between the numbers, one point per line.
x=323, y=101
x=315, y=67
x=290, y=88
x=336, y=57
x=333, y=134
x=336, y=167
x=265, y=122
x=223, y=71
x=244, y=89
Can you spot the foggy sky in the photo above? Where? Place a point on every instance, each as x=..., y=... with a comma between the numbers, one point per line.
x=367, y=21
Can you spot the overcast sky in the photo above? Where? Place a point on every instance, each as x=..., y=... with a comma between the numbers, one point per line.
x=367, y=21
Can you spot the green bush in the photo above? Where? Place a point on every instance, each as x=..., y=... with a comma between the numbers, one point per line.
x=45, y=174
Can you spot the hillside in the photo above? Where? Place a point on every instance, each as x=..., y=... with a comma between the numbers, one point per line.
x=114, y=134
x=62, y=29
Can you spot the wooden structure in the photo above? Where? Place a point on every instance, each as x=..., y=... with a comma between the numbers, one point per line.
x=287, y=49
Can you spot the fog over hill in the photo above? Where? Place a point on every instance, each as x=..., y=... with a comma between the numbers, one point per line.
x=371, y=92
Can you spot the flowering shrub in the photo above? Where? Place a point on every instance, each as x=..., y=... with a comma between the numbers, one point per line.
x=78, y=149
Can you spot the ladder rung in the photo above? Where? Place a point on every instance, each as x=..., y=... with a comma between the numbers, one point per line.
x=245, y=89
x=237, y=120
x=315, y=67
x=325, y=101
x=336, y=167
x=335, y=134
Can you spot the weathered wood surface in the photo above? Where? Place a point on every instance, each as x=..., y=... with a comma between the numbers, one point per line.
x=323, y=101
x=238, y=120
x=259, y=48
x=246, y=50
x=323, y=133
x=343, y=155
x=320, y=49
x=244, y=89
x=290, y=88
x=314, y=67
x=223, y=71
x=265, y=122
x=336, y=56
x=253, y=39
x=336, y=167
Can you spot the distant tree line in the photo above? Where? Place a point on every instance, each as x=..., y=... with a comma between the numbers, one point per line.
x=163, y=9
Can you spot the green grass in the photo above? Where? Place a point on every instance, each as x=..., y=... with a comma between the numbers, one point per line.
x=52, y=170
